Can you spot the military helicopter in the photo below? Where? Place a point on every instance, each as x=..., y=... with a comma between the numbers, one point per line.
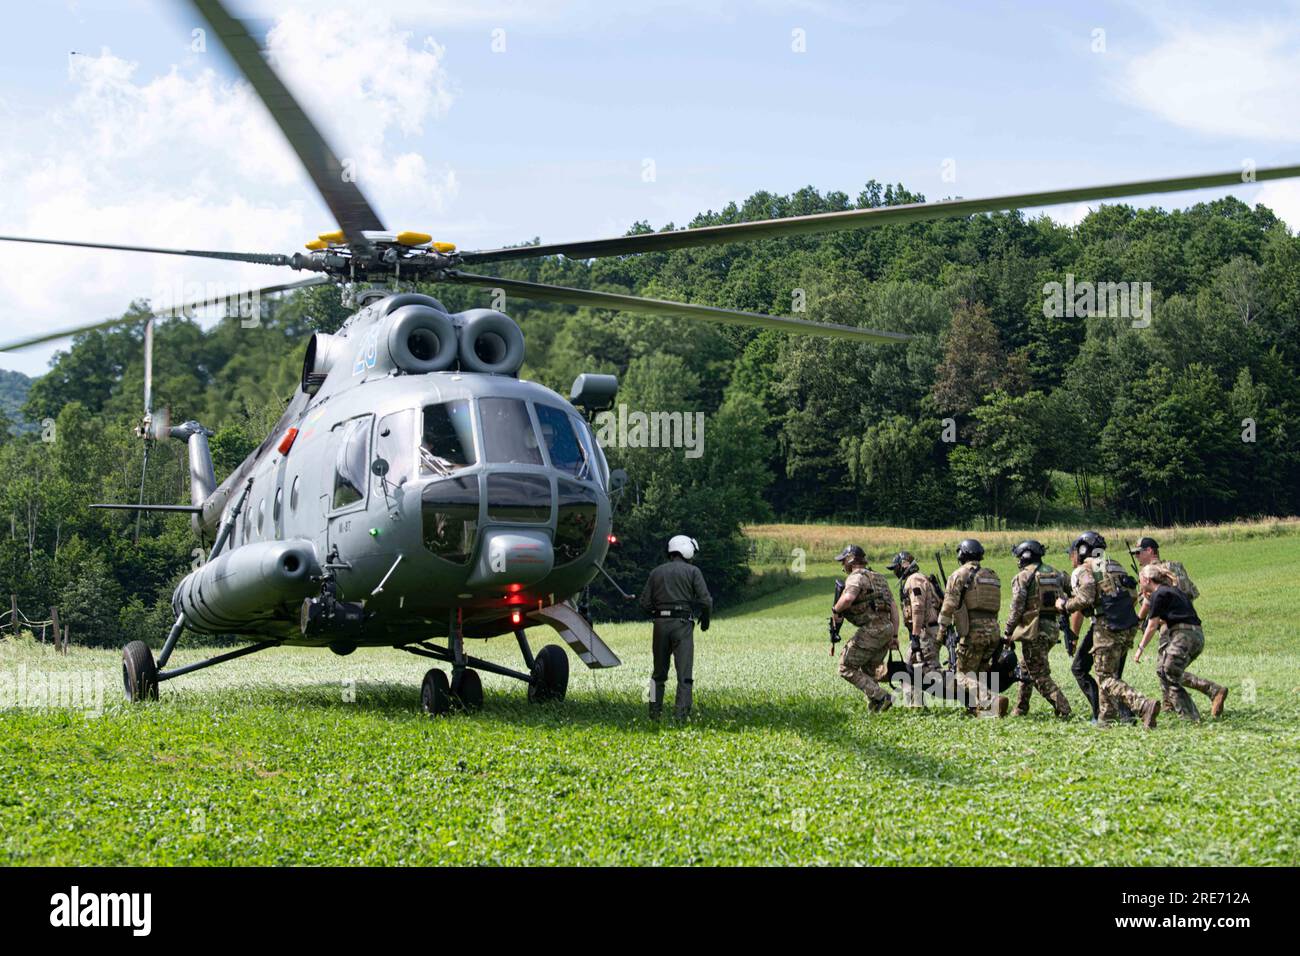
x=415, y=488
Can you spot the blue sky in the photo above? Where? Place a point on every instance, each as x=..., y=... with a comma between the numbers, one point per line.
x=142, y=138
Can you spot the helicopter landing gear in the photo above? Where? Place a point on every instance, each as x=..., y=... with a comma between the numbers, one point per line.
x=550, y=675
x=435, y=693
x=467, y=691
x=139, y=674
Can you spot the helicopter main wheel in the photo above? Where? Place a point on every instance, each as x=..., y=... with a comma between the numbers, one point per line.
x=550, y=675
x=467, y=691
x=435, y=693
x=139, y=673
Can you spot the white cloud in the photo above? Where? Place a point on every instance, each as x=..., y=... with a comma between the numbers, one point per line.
x=1223, y=79
x=189, y=158
x=1283, y=197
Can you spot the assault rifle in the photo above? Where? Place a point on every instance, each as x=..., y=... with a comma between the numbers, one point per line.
x=832, y=627
x=950, y=636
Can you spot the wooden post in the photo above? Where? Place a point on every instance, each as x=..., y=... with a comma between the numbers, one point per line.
x=54, y=616
x=65, y=639
x=13, y=612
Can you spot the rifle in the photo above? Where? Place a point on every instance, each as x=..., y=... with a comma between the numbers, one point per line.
x=950, y=637
x=833, y=628
x=1063, y=619
x=1132, y=561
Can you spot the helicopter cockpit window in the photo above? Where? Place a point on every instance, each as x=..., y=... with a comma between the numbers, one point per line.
x=576, y=525
x=450, y=510
x=447, y=444
x=592, y=448
x=352, y=466
x=562, y=442
x=508, y=435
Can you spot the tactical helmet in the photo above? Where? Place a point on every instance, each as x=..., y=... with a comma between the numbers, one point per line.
x=852, y=551
x=681, y=544
x=969, y=550
x=902, y=563
x=1089, y=544
x=1028, y=551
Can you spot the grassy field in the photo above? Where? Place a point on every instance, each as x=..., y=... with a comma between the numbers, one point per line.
x=295, y=756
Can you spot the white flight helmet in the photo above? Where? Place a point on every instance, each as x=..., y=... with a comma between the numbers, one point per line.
x=683, y=545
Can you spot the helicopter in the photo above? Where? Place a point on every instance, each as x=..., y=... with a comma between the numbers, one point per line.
x=416, y=488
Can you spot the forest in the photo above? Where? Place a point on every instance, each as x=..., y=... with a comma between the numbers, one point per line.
x=1004, y=410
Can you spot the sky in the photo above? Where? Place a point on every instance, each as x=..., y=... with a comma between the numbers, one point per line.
x=490, y=123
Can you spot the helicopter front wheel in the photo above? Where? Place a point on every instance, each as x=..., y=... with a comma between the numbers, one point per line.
x=435, y=693
x=467, y=691
x=550, y=674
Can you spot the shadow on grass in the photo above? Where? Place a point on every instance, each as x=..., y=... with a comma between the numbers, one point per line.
x=842, y=724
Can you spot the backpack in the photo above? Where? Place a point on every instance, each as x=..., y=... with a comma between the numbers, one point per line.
x=1051, y=585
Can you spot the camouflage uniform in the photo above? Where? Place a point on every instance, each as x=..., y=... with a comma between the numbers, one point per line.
x=978, y=637
x=1180, y=656
x=876, y=617
x=1088, y=583
x=1032, y=620
x=920, y=605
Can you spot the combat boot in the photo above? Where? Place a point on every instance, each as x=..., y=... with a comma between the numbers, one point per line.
x=1060, y=704
x=1149, y=714
x=882, y=705
x=1216, y=703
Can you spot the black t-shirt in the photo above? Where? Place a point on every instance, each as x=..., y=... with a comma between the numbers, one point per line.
x=1173, y=606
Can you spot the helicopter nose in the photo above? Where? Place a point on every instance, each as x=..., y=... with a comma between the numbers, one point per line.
x=509, y=557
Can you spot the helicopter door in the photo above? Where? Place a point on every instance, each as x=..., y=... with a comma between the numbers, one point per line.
x=349, y=489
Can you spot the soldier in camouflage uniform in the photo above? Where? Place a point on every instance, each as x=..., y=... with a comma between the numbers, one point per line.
x=1100, y=587
x=971, y=601
x=1147, y=553
x=867, y=604
x=920, y=601
x=1034, y=621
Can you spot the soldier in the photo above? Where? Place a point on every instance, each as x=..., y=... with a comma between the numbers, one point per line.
x=674, y=592
x=867, y=604
x=1147, y=553
x=1104, y=590
x=1081, y=665
x=971, y=601
x=920, y=602
x=1034, y=621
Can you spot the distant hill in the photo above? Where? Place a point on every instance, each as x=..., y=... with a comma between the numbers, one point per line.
x=13, y=393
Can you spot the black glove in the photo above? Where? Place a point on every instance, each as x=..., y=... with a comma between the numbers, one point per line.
x=914, y=643
x=704, y=622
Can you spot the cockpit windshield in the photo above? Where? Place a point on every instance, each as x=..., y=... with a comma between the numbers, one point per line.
x=561, y=433
x=447, y=443
x=508, y=436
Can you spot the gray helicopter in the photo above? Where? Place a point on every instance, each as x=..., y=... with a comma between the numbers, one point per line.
x=415, y=488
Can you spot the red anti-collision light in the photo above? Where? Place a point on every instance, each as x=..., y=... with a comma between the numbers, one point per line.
x=516, y=618
x=287, y=441
x=613, y=539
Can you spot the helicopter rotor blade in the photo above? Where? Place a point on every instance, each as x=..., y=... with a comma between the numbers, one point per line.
x=181, y=309
x=258, y=258
x=352, y=211
x=709, y=313
x=862, y=218
x=148, y=367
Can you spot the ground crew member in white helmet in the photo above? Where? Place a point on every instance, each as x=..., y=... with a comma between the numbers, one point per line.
x=675, y=595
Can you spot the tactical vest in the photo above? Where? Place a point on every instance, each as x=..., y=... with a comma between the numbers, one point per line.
x=932, y=598
x=983, y=593
x=873, y=601
x=1115, y=594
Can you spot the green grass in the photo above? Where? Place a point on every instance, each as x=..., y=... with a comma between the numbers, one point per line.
x=264, y=761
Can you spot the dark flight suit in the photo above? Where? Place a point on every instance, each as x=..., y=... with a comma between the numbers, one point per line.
x=674, y=593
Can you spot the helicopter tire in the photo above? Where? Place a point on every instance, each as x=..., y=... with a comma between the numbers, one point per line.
x=467, y=692
x=550, y=675
x=435, y=693
x=139, y=673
